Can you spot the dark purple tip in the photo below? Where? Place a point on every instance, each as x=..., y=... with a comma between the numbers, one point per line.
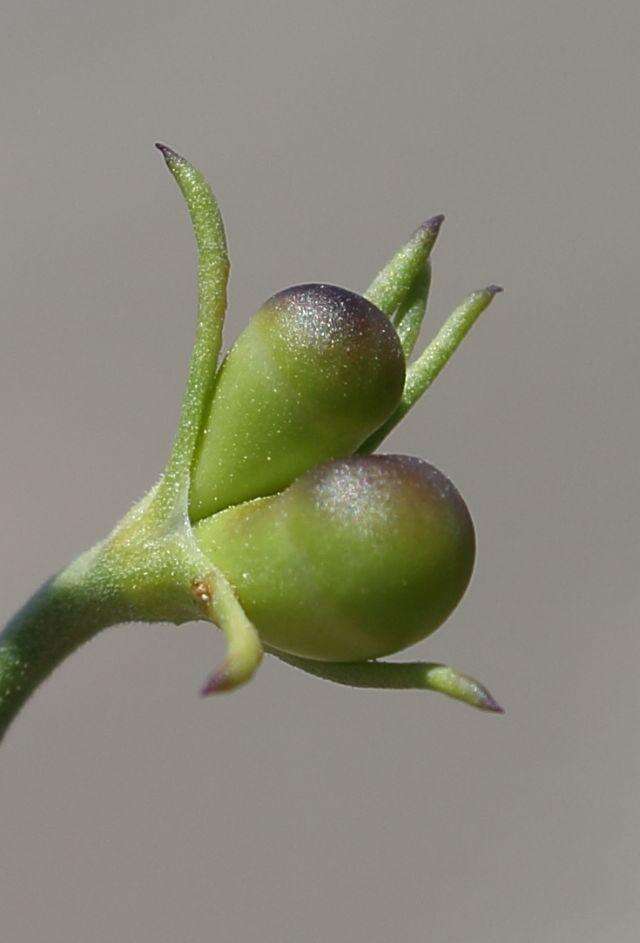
x=489, y=703
x=222, y=679
x=168, y=153
x=427, y=233
x=494, y=289
x=432, y=225
x=214, y=684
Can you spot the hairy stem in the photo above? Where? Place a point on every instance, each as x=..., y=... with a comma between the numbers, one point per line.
x=61, y=616
x=140, y=573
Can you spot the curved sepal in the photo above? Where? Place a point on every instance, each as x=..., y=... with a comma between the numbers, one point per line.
x=422, y=676
x=213, y=273
x=424, y=370
x=394, y=282
x=244, y=650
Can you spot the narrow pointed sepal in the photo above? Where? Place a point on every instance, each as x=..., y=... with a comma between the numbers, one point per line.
x=418, y=676
x=244, y=649
x=410, y=314
x=169, y=154
x=460, y=687
x=394, y=282
x=213, y=273
x=232, y=673
x=424, y=370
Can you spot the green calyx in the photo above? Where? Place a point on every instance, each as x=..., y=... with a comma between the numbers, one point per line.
x=271, y=520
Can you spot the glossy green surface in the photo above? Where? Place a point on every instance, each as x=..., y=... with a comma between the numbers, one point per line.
x=356, y=559
x=317, y=370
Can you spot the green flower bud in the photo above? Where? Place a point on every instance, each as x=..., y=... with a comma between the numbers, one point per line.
x=356, y=559
x=317, y=370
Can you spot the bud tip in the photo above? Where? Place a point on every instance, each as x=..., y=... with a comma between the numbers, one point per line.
x=489, y=703
x=168, y=153
x=494, y=289
x=218, y=681
x=432, y=225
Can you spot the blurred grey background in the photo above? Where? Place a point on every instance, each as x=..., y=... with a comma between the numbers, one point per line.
x=293, y=810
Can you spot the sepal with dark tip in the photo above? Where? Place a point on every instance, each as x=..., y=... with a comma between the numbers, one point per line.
x=395, y=281
x=399, y=676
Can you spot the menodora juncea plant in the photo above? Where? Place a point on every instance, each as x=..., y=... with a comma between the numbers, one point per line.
x=273, y=519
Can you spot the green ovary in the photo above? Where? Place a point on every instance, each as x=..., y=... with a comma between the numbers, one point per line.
x=357, y=559
x=317, y=370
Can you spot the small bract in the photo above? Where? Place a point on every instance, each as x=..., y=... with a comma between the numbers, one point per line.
x=356, y=559
x=317, y=370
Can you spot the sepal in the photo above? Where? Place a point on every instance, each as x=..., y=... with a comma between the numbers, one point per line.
x=424, y=370
x=411, y=313
x=244, y=650
x=213, y=274
x=394, y=282
x=417, y=676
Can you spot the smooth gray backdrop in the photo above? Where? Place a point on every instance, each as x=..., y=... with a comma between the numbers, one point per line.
x=293, y=810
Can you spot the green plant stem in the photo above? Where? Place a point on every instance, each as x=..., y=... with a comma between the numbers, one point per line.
x=61, y=616
x=141, y=573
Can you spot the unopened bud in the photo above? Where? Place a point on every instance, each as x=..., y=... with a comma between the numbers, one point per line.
x=357, y=559
x=317, y=370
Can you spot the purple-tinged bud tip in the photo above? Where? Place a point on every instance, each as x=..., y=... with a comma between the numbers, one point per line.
x=494, y=289
x=218, y=681
x=427, y=233
x=489, y=703
x=431, y=226
x=434, y=222
x=168, y=153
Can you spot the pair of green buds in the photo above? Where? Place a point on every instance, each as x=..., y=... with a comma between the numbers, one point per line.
x=336, y=556
x=272, y=519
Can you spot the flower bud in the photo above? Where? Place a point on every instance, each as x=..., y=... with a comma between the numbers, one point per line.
x=317, y=370
x=357, y=559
